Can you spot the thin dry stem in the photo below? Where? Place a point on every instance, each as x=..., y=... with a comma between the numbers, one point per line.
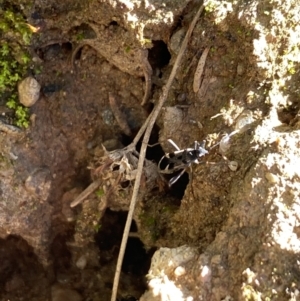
x=148, y=125
x=90, y=189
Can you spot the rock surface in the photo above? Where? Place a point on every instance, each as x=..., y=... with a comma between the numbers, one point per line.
x=242, y=223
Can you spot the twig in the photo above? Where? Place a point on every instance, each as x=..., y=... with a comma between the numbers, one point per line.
x=149, y=125
x=90, y=189
x=74, y=53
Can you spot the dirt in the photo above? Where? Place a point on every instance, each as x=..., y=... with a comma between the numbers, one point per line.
x=230, y=233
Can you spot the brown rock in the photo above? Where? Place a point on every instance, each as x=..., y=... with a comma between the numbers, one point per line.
x=29, y=91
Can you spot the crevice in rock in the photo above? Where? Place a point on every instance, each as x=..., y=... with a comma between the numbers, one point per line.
x=113, y=23
x=136, y=259
x=60, y=253
x=54, y=51
x=288, y=113
x=177, y=189
x=20, y=268
x=81, y=32
x=159, y=55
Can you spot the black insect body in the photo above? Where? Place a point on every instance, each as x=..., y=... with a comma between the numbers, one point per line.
x=181, y=159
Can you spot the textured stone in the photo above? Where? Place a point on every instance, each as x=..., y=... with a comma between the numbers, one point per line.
x=29, y=91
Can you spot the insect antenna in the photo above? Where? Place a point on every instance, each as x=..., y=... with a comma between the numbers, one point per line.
x=225, y=139
x=174, y=144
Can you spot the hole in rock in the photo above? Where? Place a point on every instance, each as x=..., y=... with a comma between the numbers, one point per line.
x=288, y=113
x=81, y=32
x=159, y=55
x=113, y=23
x=60, y=253
x=18, y=264
x=154, y=150
x=57, y=51
x=136, y=260
x=177, y=189
x=108, y=239
x=110, y=234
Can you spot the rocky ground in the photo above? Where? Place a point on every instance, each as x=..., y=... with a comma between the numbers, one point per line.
x=229, y=229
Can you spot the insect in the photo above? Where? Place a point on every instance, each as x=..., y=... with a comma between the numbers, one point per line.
x=181, y=159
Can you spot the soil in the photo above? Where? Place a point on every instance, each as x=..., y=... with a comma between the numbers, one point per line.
x=229, y=228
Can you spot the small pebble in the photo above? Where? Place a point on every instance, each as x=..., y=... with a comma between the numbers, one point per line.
x=81, y=262
x=62, y=278
x=112, y=144
x=244, y=121
x=216, y=259
x=29, y=91
x=181, y=97
x=108, y=117
x=272, y=178
x=233, y=165
x=179, y=271
x=240, y=69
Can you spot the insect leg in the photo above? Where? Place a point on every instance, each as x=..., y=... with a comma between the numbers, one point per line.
x=176, y=178
x=202, y=144
x=160, y=162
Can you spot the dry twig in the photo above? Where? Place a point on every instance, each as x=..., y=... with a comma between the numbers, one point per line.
x=91, y=188
x=147, y=127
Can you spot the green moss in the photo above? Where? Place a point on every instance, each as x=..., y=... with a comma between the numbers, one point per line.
x=99, y=192
x=15, y=35
x=80, y=36
x=127, y=49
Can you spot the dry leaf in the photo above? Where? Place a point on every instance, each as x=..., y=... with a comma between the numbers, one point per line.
x=199, y=70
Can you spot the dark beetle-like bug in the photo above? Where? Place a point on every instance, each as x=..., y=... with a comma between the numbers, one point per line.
x=181, y=159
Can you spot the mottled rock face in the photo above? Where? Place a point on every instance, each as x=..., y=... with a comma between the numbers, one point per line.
x=29, y=91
